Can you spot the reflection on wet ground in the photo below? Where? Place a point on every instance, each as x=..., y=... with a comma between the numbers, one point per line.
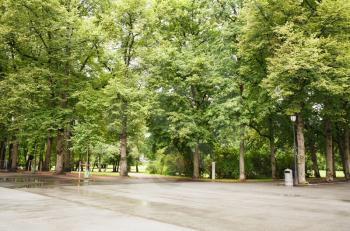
x=103, y=203
x=33, y=181
x=13, y=181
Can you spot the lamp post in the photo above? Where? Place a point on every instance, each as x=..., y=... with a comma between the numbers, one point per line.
x=293, y=118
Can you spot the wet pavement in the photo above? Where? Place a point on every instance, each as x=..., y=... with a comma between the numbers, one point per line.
x=31, y=202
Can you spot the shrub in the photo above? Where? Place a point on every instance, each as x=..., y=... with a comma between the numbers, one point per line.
x=167, y=164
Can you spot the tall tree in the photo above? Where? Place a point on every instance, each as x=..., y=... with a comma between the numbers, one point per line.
x=125, y=95
x=184, y=73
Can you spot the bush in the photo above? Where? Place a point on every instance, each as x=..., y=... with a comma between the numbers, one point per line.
x=284, y=160
x=167, y=164
x=257, y=162
x=227, y=162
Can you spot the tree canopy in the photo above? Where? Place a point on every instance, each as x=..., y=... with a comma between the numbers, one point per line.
x=181, y=83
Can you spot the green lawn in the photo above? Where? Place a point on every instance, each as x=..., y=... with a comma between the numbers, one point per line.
x=338, y=173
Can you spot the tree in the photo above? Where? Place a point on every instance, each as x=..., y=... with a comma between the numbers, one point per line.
x=256, y=39
x=46, y=40
x=125, y=93
x=184, y=75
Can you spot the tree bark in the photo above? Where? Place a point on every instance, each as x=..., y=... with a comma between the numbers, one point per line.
x=342, y=153
x=195, y=161
x=9, y=160
x=66, y=152
x=329, y=151
x=14, y=155
x=41, y=158
x=343, y=144
x=334, y=167
x=123, y=165
x=301, y=149
x=272, y=149
x=313, y=153
x=347, y=152
x=99, y=164
x=47, y=162
x=2, y=154
x=273, y=159
x=34, y=155
x=242, y=176
x=59, y=153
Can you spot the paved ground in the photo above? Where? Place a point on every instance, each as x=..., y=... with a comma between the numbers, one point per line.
x=47, y=203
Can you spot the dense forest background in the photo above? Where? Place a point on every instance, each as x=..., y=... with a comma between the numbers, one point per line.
x=179, y=83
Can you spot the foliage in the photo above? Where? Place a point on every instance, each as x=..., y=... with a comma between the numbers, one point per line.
x=172, y=164
x=113, y=81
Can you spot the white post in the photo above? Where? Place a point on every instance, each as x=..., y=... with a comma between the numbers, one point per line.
x=79, y=169
x=87, y=170
x=213, y=170
x=33, y=166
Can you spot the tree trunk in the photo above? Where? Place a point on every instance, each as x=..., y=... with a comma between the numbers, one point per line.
x=67, y=160
x=241, y=143
x=273, y=159
x=14, y=155
x=66, y=151
x=41, y=158
x=346, y=153
x=313, y=153
x=47, y=163
x=334, y=167
x=137, y=166
x=123, y=165
x=329, y=150
x=341, y=153
x=34, y=155
x=2, y=154
x=272, y=149
x=99, y=164
x=9, y=160
x=242, y=176
x=301, y=149
x=195, y=161
x=59, y=152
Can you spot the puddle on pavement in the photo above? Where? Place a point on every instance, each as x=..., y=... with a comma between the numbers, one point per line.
x=39, y=182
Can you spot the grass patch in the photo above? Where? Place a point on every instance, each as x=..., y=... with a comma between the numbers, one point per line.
x=338, y=173
x=98, y=173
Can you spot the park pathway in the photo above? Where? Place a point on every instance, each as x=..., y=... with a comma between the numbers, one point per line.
x=156, y=204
